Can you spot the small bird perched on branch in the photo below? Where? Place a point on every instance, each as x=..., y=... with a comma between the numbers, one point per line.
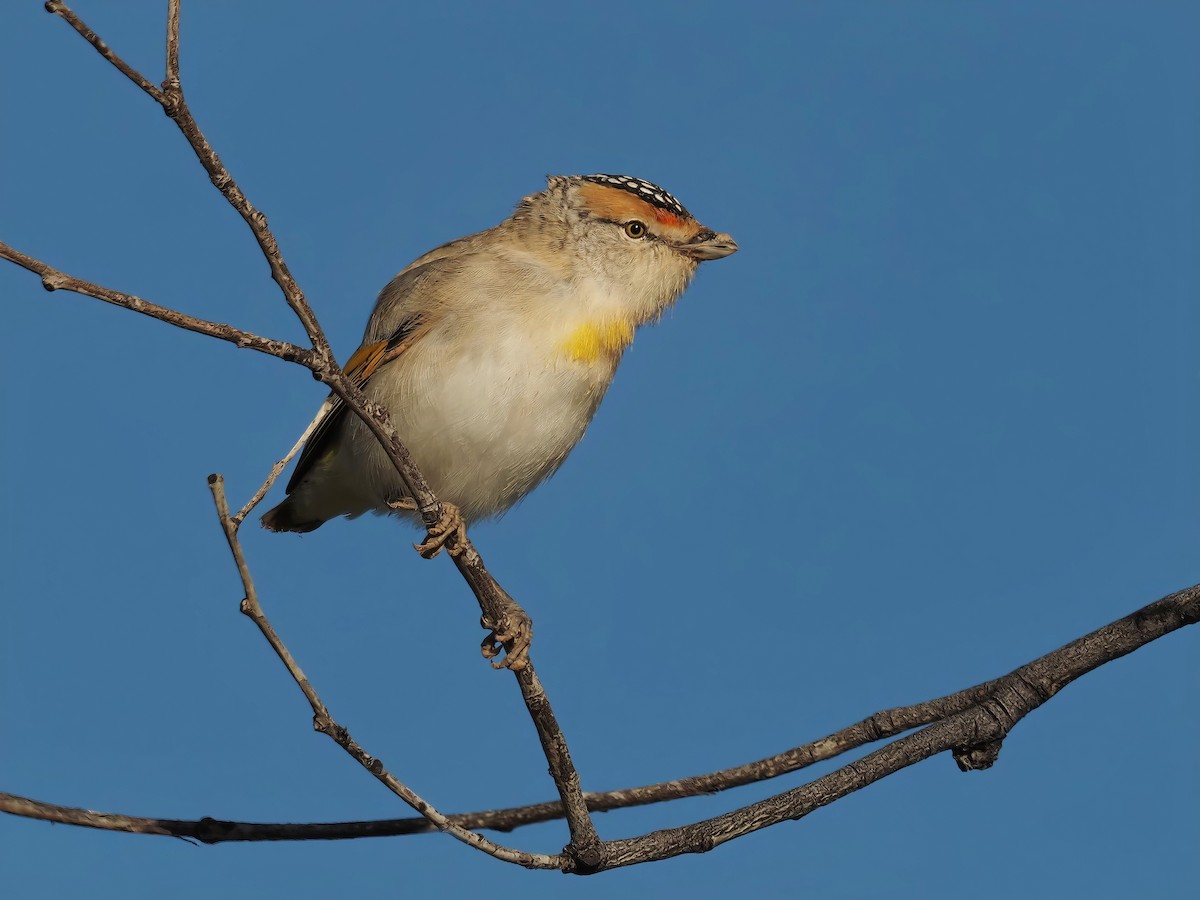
x=492, y=353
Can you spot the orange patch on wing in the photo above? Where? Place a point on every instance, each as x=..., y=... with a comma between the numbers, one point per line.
x=364, y=361
x=367, y=359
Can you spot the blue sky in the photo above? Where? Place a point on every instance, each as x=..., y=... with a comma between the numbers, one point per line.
x=936, y=418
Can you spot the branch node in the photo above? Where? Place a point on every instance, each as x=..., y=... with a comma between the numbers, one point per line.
x=53, y=281
x=212, y=831
x=587, y=859
x=171, y=97
x=978, y=757
x=324, y=724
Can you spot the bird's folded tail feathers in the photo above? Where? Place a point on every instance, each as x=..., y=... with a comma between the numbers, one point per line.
x=283, y=518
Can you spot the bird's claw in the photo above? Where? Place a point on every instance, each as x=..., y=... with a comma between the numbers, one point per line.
x=511, y=632
x=448, y=533
x=511, y=635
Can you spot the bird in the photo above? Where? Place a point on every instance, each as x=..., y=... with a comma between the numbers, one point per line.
x=492, y=352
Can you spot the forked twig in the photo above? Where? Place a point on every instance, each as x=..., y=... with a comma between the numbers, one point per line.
x=324, y=722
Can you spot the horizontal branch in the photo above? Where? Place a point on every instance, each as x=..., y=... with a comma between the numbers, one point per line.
x=1044, y=677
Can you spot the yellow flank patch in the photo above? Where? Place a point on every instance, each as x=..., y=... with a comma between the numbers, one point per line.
x=593, y=340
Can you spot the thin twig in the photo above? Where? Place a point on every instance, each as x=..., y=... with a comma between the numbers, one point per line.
x=170, y=97
x=325, y=723
x=64, y=12
x=277, y=469
x=172, y=45
x=54, y=280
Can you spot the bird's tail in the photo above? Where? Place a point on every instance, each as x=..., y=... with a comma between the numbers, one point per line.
x=284, y=518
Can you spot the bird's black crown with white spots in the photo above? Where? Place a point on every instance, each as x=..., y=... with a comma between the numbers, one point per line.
x=651, y=193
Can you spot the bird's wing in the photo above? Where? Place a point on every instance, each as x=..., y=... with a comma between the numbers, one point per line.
x=408, y=307
x=365, y=362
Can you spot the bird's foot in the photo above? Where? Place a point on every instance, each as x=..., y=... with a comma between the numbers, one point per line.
x=448, y=533
x=511, y=634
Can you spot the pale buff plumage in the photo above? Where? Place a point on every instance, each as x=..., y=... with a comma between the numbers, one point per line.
x=491, y=353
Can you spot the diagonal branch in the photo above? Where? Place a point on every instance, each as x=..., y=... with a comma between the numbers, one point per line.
x=497, y=606
x=56, y=7
x=324, y=722
x=973, y=735
x=170, y=98
x=280, y=465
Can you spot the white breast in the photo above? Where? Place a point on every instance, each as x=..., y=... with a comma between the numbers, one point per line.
x=485, y=422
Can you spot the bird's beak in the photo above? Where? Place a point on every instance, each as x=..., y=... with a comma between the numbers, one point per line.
x=709, y=245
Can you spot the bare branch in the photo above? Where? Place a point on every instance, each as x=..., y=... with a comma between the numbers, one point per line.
x=63, y=11
x=1016, y=694
x=54, y=280
x=324, y=722
x=173, y=43
x=985, y=724
x=277, y=469
x=170, y=97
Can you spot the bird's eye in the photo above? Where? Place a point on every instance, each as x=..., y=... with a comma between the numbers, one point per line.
x=635, y=229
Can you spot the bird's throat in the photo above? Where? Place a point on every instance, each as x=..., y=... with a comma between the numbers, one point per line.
x=593, y=341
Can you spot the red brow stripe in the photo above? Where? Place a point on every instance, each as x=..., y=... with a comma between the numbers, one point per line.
x=668, y=218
